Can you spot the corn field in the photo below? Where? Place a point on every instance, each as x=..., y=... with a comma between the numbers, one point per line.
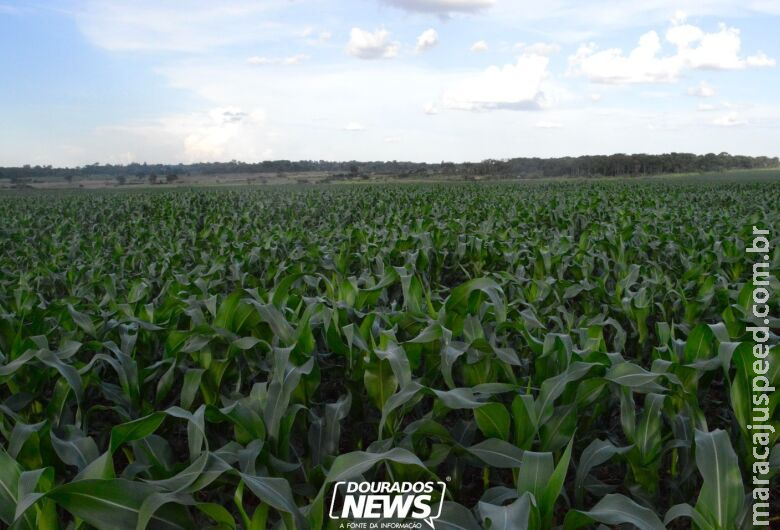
x=564, y=354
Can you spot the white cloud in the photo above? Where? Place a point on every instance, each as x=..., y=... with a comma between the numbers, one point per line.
x=679, y=17
x=539, y=48
x=573, y=21
x=430, y=108
x=700, y=50
x=514, y=86
x=479, y=46
x=760, y=60
x=222, y=133
x=426, y=40
x=313, y=37
x=611, y=66
x=770, y=7
x=732, y=108
x=211, y=138
x=367, y=45
x=291, y=60
x=545, y=124
x=595, y=98
x=683, y=35
x=694, y=49
x=392, y=139
x=441, y=7
x=729, y=120
x=702, y=90
x=656, y=94
x=390, y=97
x=354, y=126
x=177, y=25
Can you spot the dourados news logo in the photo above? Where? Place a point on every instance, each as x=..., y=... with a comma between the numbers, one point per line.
x=382, y=505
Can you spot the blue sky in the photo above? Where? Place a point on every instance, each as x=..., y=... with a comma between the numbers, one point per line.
x=84, y=81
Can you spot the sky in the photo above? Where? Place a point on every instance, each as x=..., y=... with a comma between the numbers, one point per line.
x=86, y=81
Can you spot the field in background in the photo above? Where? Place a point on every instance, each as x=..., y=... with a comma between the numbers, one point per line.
x=562, y=352
x=328, y=178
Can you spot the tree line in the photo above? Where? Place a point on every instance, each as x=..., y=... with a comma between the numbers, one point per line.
x=581, y=166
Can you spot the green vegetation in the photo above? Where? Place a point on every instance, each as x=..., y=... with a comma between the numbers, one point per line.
x=566, y=353
x=638, y=164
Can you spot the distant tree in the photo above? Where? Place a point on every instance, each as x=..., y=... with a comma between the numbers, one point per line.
x=121, y=180
x=618, y=164
x=171, y=178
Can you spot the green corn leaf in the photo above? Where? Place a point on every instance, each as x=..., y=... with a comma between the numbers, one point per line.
x=614, y=509
x=722, y=493
x=513, y=517
x=493, y=420
x=497, y=453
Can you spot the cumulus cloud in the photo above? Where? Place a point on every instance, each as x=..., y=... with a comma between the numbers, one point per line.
x=702, y=90
x=210, y=138
x=479, y=46
x=426, y=40
x=222, y=133
x=430, y=108
x=693, y=49
x=293, y=59
x=354, y=126
x=441, y=7
x=367, y=45
x=679, y=17
x=515, y=86
x=699, y=50
x=545, y=124
x=759, y=60
x=611, y=66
